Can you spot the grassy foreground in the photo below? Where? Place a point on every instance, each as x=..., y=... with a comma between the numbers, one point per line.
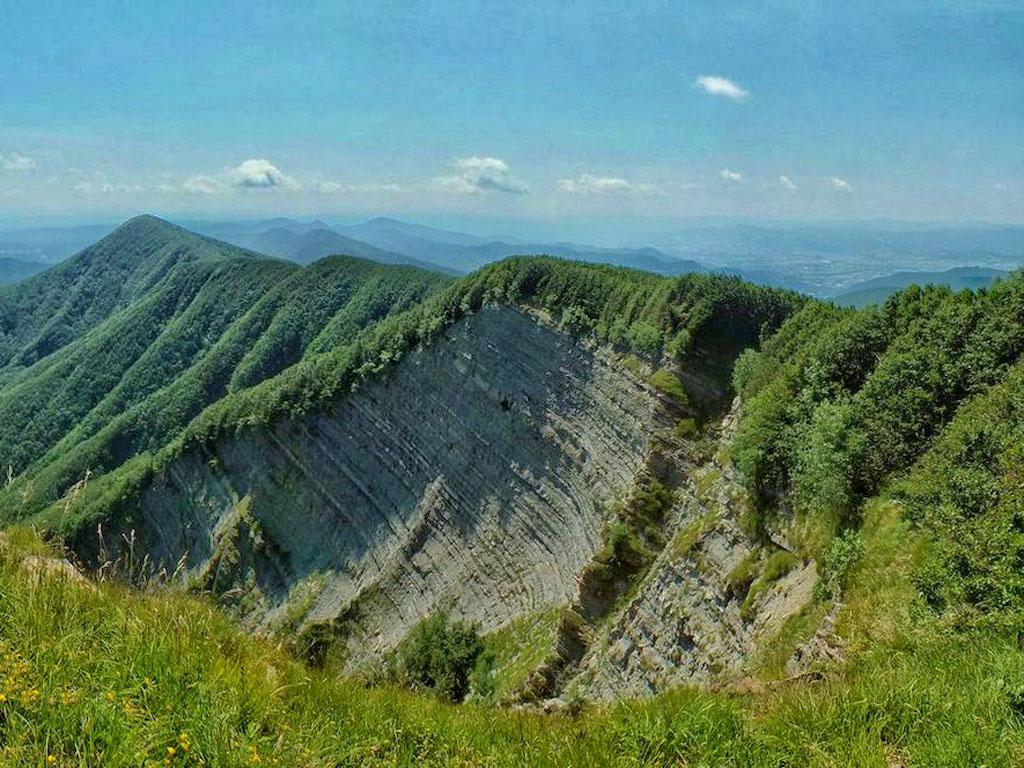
x=96, y=675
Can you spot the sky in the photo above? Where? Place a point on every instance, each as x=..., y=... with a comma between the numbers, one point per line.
x=446, y=111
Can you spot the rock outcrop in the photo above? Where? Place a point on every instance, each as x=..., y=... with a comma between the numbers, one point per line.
x=475, y=478
x=689, y=621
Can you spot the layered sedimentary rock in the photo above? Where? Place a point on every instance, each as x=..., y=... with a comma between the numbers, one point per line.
x=474, y=478
x=689, y=622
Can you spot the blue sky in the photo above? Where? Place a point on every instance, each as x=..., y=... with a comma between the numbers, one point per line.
x=529, y=110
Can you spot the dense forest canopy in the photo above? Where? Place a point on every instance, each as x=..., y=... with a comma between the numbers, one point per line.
x=925, y=390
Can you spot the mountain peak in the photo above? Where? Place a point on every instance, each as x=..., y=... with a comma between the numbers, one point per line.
x=146, y=223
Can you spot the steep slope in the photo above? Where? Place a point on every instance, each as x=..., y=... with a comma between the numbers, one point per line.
x=551, y=450
x=486, y=491
x=45, y=312
x=200, y=318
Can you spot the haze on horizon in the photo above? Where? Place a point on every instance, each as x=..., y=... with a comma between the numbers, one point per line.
x=606, y=114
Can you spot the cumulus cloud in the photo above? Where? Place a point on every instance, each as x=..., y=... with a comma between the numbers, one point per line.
x=474, y=175
x=842, y=185
x=590, y=184
x=720, y=86
x=252, y=175
x=787, y=183
x=16, y=161
x=260, y=174
x=734, y=176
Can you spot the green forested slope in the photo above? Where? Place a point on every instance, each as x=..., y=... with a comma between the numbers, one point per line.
x=918, y=399
x=156, y=324
x=42, y=314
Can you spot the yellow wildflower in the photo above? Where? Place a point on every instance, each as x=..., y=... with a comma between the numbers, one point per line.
x=184, y=741
x=111, y=696
x=51, y=759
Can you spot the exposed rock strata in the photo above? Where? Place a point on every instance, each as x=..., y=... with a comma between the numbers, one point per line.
x=685, y=624
x=474, y=478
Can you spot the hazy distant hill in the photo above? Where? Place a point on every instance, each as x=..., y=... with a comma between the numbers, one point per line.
x=878, y=289
x=15, y=270
x=49, y=244
x=823, y=258
x=464, y=253
x=392, y=234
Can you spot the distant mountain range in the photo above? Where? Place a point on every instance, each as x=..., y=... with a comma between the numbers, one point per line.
x=391, y=241
x=878, y=289
x=826, y=259
x=50, y=244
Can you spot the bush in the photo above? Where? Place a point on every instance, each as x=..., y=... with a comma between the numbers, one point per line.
x=841, y=555
x=440, y=655
x=669, y=384
x=644, y=337
x=686, y=428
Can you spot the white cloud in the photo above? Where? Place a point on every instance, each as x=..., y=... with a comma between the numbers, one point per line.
x=203, y=185
x=480, y=174
x=260, y=174
x=106, y=188
x=734, y=176
x=337, y=188
x=842, y=185
x=252, y=175
x=17, y=162
x=1000, y=186
x=787, y=183
x=589, y=184
x=720, y=86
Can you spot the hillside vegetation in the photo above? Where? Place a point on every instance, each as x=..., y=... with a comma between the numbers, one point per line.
x=880, y=448
x=114, y=351
x=924, y=390
x=637, y=311
x=101, y=676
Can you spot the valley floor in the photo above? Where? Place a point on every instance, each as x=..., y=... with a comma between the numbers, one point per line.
x=92, y=674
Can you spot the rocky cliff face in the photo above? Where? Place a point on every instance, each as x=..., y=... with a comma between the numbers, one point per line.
x=478, y=477
x=475, y=478
x=694, y=618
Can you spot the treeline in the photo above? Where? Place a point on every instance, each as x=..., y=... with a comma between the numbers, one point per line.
x=634, y=310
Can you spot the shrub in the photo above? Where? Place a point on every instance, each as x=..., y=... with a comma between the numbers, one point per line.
x=439, y=654
x=644, y=337
x=841, y=555
x=669, y=384
x=686, y=428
